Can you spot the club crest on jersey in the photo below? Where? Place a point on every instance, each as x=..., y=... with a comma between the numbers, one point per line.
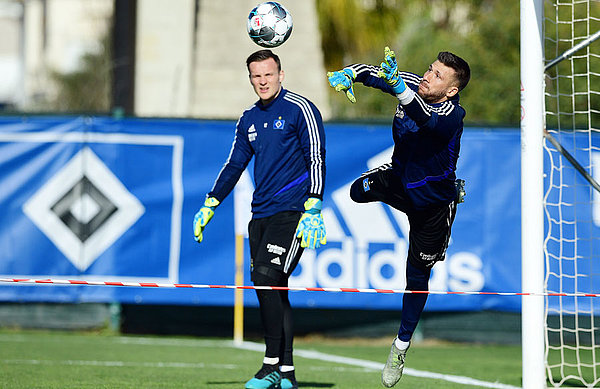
x=278, y=124
x=366, y=186
x=399, y=112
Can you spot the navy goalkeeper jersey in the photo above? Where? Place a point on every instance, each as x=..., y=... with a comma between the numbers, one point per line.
x=426, y=141
x=287, y=139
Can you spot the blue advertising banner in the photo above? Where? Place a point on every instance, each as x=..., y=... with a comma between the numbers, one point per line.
x=113, y=200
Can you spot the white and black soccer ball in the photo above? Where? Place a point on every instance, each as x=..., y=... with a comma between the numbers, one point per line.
x=269, y=24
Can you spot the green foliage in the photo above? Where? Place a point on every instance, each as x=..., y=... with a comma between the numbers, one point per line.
x=569, y=103
x=483, y=32
x=87, y=89
x=493, y=53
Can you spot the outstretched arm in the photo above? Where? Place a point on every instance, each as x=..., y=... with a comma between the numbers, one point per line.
x=343, y=80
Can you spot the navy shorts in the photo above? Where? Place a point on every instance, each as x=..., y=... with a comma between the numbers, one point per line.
x=429, y=229
x=274, y=249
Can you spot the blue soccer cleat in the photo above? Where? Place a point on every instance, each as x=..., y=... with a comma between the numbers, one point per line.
x=268, y=377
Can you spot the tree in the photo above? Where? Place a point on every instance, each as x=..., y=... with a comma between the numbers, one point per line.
x=88, y=88
x=483, y=32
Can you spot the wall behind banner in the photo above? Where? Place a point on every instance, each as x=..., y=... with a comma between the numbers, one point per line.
x=113, y=200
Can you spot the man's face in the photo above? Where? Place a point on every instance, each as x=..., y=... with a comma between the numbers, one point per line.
x=438, y=84
x=266, y=79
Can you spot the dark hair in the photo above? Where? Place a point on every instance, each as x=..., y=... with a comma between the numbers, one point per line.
x=262, y=55
x=460, y=66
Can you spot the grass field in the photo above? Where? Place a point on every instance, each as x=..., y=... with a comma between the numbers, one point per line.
x=32, y=359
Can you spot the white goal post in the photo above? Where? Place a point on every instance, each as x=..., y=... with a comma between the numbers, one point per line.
x=532, y=183
x=560, y=194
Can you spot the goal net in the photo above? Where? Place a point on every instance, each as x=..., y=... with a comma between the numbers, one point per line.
x=571, y=202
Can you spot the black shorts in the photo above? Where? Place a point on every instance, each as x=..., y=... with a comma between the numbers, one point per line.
x=274, y=249
x=429, y=229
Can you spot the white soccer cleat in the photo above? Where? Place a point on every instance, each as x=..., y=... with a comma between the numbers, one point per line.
x=392, y=371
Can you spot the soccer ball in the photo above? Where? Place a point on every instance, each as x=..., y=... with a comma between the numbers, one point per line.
x=269, y=24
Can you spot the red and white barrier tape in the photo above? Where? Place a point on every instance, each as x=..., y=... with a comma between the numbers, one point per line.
x=290, y=288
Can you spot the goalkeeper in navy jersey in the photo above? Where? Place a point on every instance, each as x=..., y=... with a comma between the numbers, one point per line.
x=283, y=131
x=420, y=180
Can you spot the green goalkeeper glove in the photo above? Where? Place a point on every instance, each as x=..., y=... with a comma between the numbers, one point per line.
x=343, y=80
x=311, y=228
x=203, y=216
x=389, y=71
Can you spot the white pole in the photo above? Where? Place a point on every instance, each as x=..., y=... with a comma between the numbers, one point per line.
x=532, y=187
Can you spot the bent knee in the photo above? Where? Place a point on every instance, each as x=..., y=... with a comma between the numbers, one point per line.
x=358, y=189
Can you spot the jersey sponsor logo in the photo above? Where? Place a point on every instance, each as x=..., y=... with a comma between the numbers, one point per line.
x=278, y=124
x=252, y=133
x=276, y=261
x=428, y=257
x=273, y=248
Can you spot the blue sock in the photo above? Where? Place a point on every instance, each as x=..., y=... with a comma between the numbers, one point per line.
x=413, y=304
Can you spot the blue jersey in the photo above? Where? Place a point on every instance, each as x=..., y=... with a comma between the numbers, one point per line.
x=426, y=141
x=287, y=139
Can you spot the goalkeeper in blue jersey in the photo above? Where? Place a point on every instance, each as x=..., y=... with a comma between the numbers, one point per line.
x=283, y=131
x=420, y=179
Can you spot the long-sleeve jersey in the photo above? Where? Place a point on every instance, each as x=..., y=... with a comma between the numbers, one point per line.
x=426, y=140
x=287, y=139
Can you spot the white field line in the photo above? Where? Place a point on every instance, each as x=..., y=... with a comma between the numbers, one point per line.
x=135, y=340
x=310, y=354
x=176, y=365
x=251, y=346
